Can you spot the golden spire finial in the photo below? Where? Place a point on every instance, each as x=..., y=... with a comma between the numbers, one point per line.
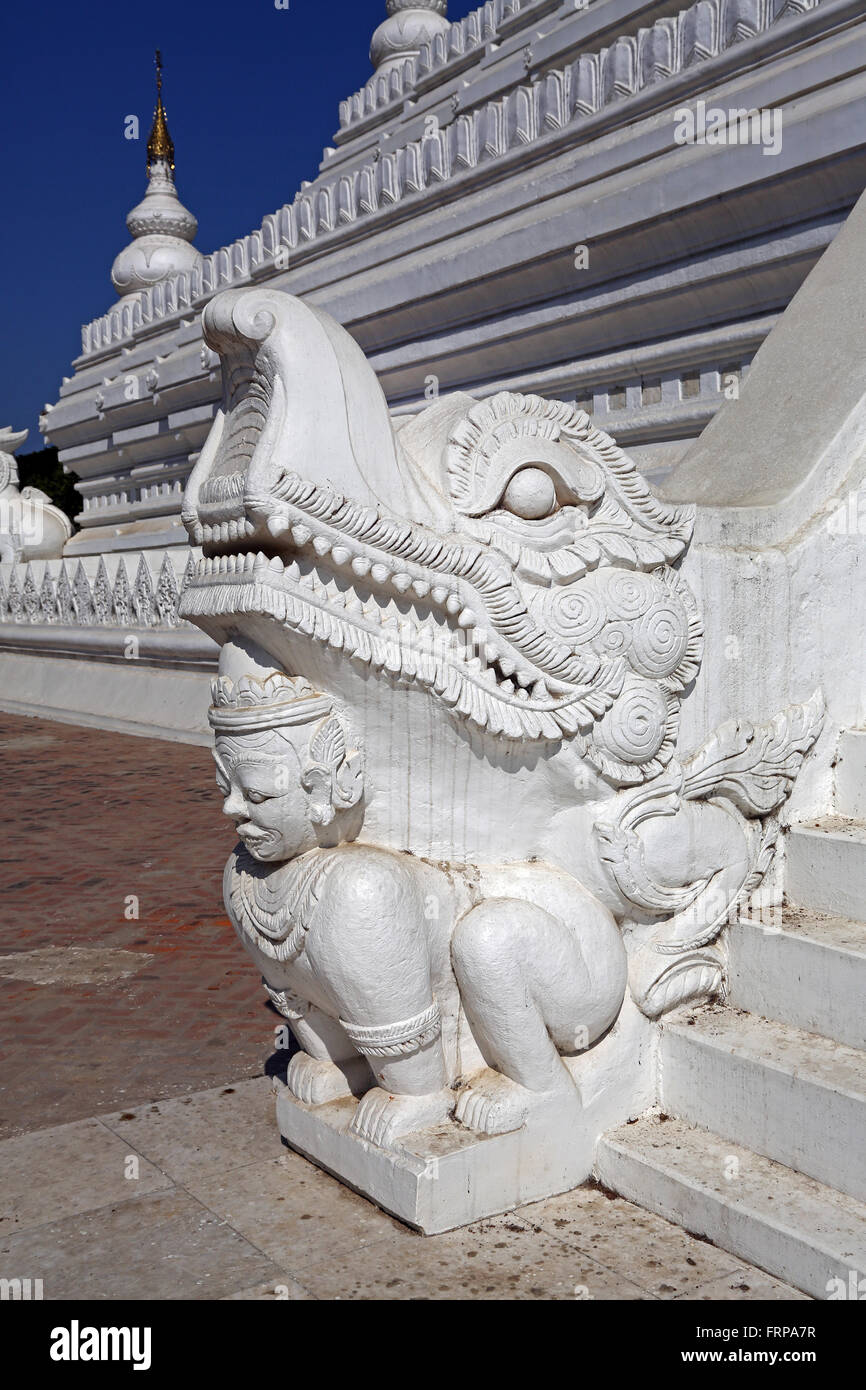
x=160, y=145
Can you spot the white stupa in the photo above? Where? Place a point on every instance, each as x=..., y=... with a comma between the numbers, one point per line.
x=162, y=228
x=410, y=24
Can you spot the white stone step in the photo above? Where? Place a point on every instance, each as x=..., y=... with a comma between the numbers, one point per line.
x=851, y=774
x=808, y=971
x=826, y=866
x=795, y=1228
x=790, y=1095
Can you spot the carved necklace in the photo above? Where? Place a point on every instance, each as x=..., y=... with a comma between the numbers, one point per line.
x=273, y=907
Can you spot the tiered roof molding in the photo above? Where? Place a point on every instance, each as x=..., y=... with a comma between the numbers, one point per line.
x=490, y=23
x=558, y=99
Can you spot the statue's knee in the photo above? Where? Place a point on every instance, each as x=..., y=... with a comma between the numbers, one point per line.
x=485, y=936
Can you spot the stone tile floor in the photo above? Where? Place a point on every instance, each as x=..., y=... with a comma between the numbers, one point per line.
x=197, y=1198
x=139, y=1156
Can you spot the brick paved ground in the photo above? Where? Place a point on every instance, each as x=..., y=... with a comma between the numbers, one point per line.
x=92, y=818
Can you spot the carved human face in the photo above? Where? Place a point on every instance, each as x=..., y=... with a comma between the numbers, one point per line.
x=260, y=777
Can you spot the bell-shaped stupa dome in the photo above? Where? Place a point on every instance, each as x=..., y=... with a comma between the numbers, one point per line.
x=161, y=226
x=410, y=24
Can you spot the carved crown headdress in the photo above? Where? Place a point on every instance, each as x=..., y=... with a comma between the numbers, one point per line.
x=249, y=705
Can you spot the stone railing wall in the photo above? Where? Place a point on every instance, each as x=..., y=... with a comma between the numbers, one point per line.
x=139, y=589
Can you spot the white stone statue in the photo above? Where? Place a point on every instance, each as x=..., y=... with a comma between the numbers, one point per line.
x=473, y=866
x=31, y=527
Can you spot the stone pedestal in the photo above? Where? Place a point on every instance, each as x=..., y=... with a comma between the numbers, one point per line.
x=445, y=1177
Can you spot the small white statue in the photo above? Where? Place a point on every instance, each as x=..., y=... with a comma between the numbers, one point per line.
x=31, y=527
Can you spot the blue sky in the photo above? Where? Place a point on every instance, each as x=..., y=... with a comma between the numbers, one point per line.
x=252, y=95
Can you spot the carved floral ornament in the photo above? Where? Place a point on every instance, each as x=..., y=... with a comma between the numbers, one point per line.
x=502, y=566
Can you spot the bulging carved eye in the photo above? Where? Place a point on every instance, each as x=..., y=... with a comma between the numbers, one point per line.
x=530, y=494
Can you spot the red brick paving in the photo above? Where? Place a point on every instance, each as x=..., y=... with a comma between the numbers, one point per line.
x=90, y=819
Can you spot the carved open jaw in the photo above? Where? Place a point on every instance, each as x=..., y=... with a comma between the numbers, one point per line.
x=522, y=572
x=470, y=616
x=411, y=630
x=466, y=616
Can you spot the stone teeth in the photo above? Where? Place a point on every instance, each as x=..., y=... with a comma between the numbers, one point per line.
x=523, y=677
x=249, y=561
x=453, y=604
x=402, y=582
x=232, y=561
x=507, y=666
x=540, y=691
x=421, y=587
x=491, y=653
x=380, y=573
x=321, y=545
x=467, y=618
x=439, y=594
x=276, y=564
x=233, y=530
x=260, y=562
x=301, y=535
x=361, y=566
x=507, y=687
x=341, y=555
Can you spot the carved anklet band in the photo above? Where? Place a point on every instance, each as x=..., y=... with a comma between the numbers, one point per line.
x=395, y=1039
x=291, y=1006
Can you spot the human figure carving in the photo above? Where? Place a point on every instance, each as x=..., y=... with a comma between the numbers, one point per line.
x=367, y=953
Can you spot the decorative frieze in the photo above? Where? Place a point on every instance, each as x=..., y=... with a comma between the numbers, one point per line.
x=97, y=591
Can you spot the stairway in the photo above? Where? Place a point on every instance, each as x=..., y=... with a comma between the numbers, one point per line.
x=761, y=1141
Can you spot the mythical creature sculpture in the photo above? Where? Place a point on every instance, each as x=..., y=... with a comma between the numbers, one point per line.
x=31, y=527
x=446, y=726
